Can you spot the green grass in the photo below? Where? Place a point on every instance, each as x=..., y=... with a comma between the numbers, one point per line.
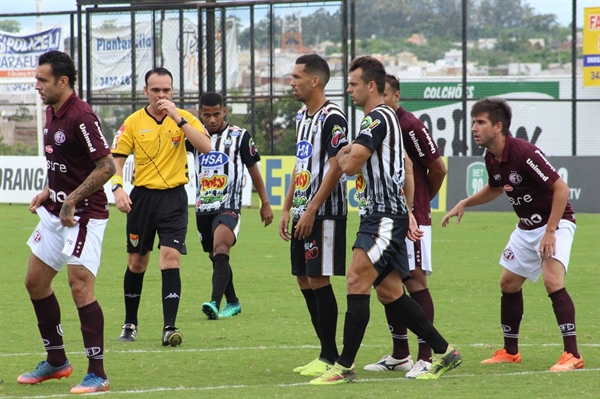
x=252, y=355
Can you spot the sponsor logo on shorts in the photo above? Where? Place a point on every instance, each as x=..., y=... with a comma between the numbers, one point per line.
x=232, y=214
x=37, y=236
x=134, y=239
x=508, y=254
x=311, y=251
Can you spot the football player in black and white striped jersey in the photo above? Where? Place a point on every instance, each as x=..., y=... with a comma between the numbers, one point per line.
x=379, y=255
x=317, y=200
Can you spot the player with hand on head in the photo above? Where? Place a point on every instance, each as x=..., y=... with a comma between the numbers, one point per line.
x=379, y=257
x=158, y=201
x=541, y=242
x=73, y=209
x=317, y=198
x=428, y=172
x=220, y=177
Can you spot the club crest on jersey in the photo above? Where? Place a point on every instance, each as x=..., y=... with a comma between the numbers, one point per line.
x=227, y=143
x=213, y=159
x=134, y=239
x=515, y=178
x=304, y=149
x=339, y=136
x=59, y=137
x=175, y=140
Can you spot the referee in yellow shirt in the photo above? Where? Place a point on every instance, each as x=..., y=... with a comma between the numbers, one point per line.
x=156, y=136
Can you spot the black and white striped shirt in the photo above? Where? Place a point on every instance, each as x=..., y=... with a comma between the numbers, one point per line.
x=319, y=137
x=220, y=173
x=380, y=182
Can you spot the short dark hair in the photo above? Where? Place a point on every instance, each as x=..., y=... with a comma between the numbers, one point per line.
x=62, y=65
x=497, y=109
x=210, y=99
x=393, y=81
x=314, y=64
x=158, y=71
x=372, y=71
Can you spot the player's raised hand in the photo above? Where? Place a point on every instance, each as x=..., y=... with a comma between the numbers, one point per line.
x=169, y=107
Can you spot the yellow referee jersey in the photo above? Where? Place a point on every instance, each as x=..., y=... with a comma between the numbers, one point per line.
x=160, y=159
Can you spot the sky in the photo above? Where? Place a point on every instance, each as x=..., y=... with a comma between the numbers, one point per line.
x=561, y=8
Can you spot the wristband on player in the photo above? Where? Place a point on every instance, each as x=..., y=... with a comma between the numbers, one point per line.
x=116, y=180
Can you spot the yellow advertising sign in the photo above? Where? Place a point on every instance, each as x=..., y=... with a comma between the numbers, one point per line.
x=277, y=172
x=591, y=46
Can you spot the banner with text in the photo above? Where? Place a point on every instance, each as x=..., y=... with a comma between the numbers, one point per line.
x=22, y=177
x=111, y=56
x=19, y=52
x=445, y=120
x=591, y=46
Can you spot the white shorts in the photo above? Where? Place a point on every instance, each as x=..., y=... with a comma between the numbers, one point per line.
x=521, y=255
x=419, y=253
x=56, y=245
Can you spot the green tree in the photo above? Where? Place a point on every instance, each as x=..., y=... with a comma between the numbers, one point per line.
x=10, y=26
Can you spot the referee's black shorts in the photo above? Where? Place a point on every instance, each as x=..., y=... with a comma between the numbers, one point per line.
x=157, y=211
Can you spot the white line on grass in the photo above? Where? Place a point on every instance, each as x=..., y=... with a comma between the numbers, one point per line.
x=261, y=348
x=199, y=389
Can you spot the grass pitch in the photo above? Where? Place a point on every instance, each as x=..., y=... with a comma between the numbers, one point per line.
x=251, y=355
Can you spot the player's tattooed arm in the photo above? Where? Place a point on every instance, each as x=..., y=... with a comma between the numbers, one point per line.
x=105, y=169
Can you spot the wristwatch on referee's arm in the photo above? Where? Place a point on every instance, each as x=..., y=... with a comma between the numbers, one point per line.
x=182, y=122
x=115, y=187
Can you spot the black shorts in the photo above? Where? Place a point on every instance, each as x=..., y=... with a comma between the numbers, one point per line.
x=207, y=224
x=323, y=253
x=383, y=239
x=157, y=211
